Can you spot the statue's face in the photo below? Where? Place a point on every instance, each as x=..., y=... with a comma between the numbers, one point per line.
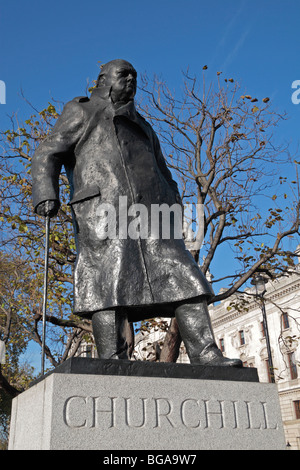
x=122, y=78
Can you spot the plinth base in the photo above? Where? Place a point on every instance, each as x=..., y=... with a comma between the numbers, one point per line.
x=73, y=408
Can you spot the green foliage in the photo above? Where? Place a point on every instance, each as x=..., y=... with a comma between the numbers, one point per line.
x=22, y=253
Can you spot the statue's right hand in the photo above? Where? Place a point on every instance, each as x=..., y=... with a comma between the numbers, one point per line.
x=47, y=208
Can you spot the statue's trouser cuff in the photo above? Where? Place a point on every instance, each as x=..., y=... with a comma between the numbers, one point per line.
x=195, y=328
x=109, y=334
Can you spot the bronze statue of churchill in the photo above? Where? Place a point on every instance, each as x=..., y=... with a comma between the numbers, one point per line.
x=110, y=152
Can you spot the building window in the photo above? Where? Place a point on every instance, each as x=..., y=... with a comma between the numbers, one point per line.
x=87, y=350
x=222, y=347
x=285, y=321
x=297, y=408
x=262, y=327
x=242, y=337
x=292, y=366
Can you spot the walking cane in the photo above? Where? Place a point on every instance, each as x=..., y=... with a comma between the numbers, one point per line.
x=47, y=233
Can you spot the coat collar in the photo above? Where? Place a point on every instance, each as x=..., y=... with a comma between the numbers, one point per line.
x=102, y=96
x=102, y=92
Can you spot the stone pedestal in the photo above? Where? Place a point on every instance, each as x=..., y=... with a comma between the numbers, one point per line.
x=89, y=404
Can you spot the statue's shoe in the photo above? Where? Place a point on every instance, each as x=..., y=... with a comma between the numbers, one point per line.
x=214, y=357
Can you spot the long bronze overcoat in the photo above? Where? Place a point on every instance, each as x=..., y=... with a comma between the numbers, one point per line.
x=108, y=154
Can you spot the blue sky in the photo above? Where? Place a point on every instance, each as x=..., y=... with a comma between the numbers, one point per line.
x=51, y=49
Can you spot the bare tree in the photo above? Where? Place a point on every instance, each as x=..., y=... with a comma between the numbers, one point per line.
x=221, y=146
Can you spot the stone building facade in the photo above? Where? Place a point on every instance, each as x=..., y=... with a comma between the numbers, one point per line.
x=239, y=332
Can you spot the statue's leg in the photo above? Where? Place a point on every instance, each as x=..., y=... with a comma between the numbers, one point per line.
x=197, y=334
x=109, y=334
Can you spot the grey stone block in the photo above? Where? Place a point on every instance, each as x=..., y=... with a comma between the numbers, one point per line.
x=84, y=365
x=114, y=412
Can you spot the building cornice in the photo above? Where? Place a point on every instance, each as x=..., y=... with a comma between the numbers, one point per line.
x=281, y=291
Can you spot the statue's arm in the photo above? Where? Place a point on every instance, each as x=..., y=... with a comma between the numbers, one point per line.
x=56, y=150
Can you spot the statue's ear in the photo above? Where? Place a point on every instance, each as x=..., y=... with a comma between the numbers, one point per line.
x=101, y=80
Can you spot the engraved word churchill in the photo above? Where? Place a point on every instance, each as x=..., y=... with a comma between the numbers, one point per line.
x=161, y=412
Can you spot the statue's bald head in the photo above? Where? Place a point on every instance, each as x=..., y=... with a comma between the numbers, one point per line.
x=120, y=76
x=107, y=69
